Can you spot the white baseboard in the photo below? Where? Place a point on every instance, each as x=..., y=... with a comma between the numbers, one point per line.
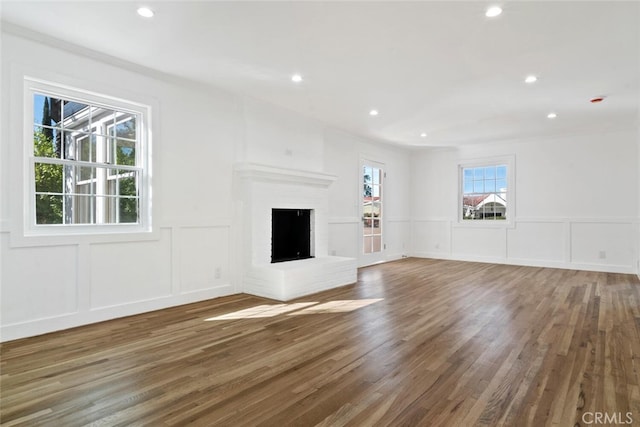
x=71, y=320
x=605, y=268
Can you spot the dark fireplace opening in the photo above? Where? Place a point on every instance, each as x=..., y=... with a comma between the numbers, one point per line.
x=290, y=234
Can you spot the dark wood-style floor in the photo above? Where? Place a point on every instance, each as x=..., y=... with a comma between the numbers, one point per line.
x=414, y=342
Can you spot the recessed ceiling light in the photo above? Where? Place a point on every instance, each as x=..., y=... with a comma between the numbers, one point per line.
x=423, y=135
x=145, y=12
x=552, y=115
x=531, y=79
x=373, y=112
x=296, y=78
x=493, y=11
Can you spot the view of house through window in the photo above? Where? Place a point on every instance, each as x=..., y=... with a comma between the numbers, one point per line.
x=484, y=193
x=86, y=163
x=372, y=209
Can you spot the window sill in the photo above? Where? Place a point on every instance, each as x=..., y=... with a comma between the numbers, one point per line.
x=85, y=235
x=484, y=224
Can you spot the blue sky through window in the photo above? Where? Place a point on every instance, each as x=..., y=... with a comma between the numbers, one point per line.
x=486, y=179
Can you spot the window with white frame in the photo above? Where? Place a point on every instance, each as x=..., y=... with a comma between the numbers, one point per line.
x=88, y=163
x=483, y=192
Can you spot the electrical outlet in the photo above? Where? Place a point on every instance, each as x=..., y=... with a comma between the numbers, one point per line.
x=602, y=255
x=217, y=273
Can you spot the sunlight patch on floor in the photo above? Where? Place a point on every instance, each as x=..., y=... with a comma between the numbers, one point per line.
x=340, y=306
x=272, y=310
x=261, y=311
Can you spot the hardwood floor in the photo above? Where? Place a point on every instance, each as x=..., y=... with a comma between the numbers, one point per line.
x=413, y=343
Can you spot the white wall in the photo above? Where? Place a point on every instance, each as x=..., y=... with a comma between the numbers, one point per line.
x=576, y=204
x=279, y=137
x=343, y=154
x=54, y=283
x=199, y=133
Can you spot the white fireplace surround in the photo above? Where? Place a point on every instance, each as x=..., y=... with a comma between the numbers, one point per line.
x=264, y=188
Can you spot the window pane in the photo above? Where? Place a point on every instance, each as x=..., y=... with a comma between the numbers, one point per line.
x=367, y=224
x=128, y=210
x=501, y=172
x=103, y=120
x=85, y=179
x=478, y=173
x=126, y=129
x=44, y=142
x=489, y=172
x=376, y=243
x=83, y=209
x=106, y=209
x=111, y=188
x=48, y=209
x=468, y=174
x=68, y=144
x=46, y=110
x=48, y=178
x=127, y=183
x=376, y=176
x=468, y=186
x=367, y=244
x=367, y=176
x=75, y=115
x=111, y=145
x=501, y=185
x=376, y=209
x=85, y=145
x=375, y=191
x=478, y=187
x=125, y=152
x=490, y=186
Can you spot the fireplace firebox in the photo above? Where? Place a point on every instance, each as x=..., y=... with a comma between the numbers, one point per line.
x=291, y=234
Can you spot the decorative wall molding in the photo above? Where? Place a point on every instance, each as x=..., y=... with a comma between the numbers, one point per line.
x=618, y=254
x=261, y=172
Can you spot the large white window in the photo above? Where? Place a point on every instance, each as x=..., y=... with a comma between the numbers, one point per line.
x=486, y=192
x=88, y=161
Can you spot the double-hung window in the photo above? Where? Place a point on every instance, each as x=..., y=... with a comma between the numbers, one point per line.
x=89, y=162
x=486, y=192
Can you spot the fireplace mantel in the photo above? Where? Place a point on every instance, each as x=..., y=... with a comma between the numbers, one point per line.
x=256, y=171
x=263, y=188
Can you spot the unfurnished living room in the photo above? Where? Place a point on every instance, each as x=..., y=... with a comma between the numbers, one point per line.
x=319, y=213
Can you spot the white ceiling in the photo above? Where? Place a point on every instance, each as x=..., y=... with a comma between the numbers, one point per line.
x=436, y=67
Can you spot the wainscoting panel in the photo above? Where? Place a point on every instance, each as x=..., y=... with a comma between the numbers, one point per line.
x=203, y=257
x=431, y=236
x=602, y=243
x=397, y=237
x=37, y=282
x=489, y=243
x=127, y=272
x=344, y=237
x=540, y=241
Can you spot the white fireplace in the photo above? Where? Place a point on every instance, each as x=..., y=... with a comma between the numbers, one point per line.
x=265, y=188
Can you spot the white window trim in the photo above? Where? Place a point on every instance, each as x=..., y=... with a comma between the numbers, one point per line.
x=32, y=230
x=510, y=162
